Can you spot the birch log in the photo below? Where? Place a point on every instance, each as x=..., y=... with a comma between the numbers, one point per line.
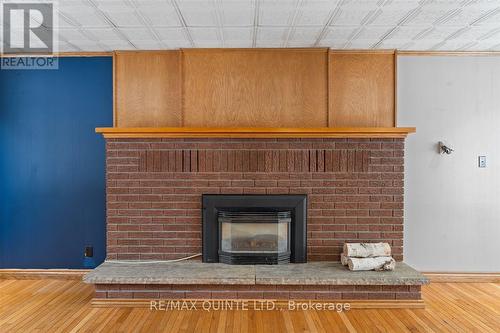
x=367, y=250
x=368, y=264
x=343, y=259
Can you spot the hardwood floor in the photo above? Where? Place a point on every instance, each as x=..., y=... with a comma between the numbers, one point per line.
x=64, y=306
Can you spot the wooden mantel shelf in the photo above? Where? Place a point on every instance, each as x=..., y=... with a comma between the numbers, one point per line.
x=257, y=132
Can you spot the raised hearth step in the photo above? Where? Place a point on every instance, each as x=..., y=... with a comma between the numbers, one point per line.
x=198, y=273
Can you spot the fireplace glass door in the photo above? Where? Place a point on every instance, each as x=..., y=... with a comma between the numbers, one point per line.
x=254, y=237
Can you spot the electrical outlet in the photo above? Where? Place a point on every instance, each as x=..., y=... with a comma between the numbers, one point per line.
x=482, y=161
x=89, y=252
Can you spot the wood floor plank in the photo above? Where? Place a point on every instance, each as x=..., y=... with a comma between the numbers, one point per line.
x=64, y=306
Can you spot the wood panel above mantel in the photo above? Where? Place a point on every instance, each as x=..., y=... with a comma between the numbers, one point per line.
x=242, y=132
x=308, y=88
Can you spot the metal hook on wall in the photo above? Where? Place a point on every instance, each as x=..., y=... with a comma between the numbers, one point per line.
x=444, y=149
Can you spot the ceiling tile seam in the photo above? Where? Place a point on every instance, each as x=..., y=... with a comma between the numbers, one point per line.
x=183, y=22
x=291, y=24
x=220, y=21
x=447, y=16
x=110, y=22
x=146, y=23
x=489, y=34
x=331, y=16
x=69, y=20
x=358, y=31
x=486, y=16
x=409, y=15
x=424, y=33
x=256, y=19
x=436, y=46
x=457, y=33
x=466, y=46
x=82, y=31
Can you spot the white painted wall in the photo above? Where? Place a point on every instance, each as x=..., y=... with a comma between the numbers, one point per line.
x=452, y=207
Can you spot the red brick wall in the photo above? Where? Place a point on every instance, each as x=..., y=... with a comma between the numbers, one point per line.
x=154, y=187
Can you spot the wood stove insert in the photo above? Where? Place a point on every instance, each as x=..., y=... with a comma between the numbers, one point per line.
x=254, y=229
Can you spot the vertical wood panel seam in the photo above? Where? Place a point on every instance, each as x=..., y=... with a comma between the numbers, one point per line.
x=115, y=112
x=182, y=75
x=395, y=90
x=328, y=86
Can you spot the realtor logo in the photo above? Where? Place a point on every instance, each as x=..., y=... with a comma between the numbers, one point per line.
x=28, y=32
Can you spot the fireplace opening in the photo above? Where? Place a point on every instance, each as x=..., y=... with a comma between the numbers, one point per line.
x=254, y=229
x=254, y=237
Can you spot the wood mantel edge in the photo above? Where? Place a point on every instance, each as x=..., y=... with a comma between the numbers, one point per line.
x=255, y=132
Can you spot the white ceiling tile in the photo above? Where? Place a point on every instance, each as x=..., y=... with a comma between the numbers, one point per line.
x=199, y=13
x=277, y=13
x=315, y=13
x=208, y=43
x=235, y=34
x=409, y=32
x=430, y=14
x=117, y=45
x=66, y=47
x=360, y=4
x=84, y=16
x=123, y=17
x=111, y=3
x=390, y=16
x=361, y=44
x=439, y=24
x=425, y=44
x=72, y=34
x=103, y=33
x=137, y=33
x=440, y=32
x=238, y=43
x=237, y=13
x=486, y=45
x=331, y=44
x=73, y=3
x=491, y=20
x=177, y=44
x=466, y=15
x=275, y=34
x=268, y=43
x=305, y=34
x=88, y=45
x=473, y=33
x=161, y=17
x=204, y=34
x=147, y=44
x=171, y=34
x=65, y=23
x=300, y=43
x=395, y=44
x=372, y=32
x=352, y=16
x=453, y=45
x=340, y=33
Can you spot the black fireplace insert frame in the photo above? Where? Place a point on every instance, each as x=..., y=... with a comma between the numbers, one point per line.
x=213, y=203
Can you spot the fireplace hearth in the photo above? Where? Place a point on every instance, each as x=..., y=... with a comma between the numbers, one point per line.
x=254, y=229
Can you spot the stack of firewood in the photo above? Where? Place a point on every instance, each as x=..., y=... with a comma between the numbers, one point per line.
x=367, y=257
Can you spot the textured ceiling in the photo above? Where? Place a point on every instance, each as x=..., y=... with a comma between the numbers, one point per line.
x=103, y=25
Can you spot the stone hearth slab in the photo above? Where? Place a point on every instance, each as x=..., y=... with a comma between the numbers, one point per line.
x=195, y=272
x=187, y=272
x=328, y=273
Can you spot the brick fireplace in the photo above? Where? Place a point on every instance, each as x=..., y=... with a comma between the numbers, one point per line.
x=354, y=190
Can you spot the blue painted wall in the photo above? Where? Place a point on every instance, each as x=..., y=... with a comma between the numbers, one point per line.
x=52, y=180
